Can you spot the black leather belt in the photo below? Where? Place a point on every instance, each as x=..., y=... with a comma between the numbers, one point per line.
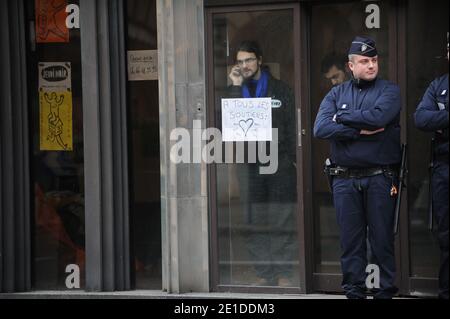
x=347, y=172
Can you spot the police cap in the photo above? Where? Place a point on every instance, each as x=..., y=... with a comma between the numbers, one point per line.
x=363, y=46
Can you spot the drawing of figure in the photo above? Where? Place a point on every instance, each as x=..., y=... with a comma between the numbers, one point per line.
x=48, y=22
x=55, y=124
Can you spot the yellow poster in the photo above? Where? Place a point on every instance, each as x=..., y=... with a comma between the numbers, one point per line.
x=55, y=102
x=56, y=121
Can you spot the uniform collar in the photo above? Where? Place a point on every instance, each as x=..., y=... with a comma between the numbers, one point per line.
x=363, y=84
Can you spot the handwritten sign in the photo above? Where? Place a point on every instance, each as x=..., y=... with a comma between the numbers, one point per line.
x=247, y=120
x=143, y=65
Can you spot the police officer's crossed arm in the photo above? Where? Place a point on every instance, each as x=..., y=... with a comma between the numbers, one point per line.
x=432, y=115
x=326, y=128
x=365, y=132
x=386, y=109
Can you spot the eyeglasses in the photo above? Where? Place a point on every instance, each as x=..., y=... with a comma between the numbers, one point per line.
x=246, y=61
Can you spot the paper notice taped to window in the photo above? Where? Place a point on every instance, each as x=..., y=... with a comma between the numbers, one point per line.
x=143, y=65
x=55, y=107
x=247, y=120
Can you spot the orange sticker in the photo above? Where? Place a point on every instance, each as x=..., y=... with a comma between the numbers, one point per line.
x=51, y=18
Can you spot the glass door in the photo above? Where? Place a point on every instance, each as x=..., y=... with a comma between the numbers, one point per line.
x=333, y=27
x=255, y=207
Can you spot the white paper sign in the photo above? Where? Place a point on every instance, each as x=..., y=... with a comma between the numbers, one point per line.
x=143, y=65
x=247, y=120
x=55, y=76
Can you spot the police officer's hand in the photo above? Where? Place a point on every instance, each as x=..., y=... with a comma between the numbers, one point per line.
x=367, y=132
x=235, y=76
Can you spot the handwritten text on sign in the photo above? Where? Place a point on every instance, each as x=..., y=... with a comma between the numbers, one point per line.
x=247, y=120
x=143, y=65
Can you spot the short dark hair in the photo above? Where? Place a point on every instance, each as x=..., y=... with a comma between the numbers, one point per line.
x=251, y=47
x=339, y=60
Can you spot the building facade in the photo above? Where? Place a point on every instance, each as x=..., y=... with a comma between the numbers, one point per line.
x=95, y=97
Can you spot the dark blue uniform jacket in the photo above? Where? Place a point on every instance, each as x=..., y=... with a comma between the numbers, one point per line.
x=373, y=106
x=432, y=113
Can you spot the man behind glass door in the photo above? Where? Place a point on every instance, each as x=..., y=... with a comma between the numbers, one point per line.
x=270, y=212
x=432, y=116
x=334, y=68
x=361, y=119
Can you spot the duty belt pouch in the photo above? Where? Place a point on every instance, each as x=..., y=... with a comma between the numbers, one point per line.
x=338, y=171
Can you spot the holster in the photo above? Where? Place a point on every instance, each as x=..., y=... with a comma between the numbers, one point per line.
x=327, y=170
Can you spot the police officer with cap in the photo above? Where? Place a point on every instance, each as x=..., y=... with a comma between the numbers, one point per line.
x=361, y=119
x=432, y=116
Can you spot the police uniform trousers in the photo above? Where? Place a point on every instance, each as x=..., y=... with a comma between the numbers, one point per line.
x=440, y=209
x=362, y=203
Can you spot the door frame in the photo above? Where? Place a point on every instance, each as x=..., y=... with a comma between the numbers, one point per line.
x=301, y=123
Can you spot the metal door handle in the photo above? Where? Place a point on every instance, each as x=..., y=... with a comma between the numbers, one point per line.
x=301, y=132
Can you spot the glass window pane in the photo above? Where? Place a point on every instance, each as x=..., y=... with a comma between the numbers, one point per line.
x=256, y=213
x=55, y=97
x=333, y=27
x=143, y=106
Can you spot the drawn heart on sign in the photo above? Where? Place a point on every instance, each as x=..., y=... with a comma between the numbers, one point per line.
x=246, y=125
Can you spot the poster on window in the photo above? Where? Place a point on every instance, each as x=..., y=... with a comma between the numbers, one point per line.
x=55, y=102
x=51, y=18
x=247, y=120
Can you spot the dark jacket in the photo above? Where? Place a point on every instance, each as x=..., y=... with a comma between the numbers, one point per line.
x=432, y=113
x=373, y=106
